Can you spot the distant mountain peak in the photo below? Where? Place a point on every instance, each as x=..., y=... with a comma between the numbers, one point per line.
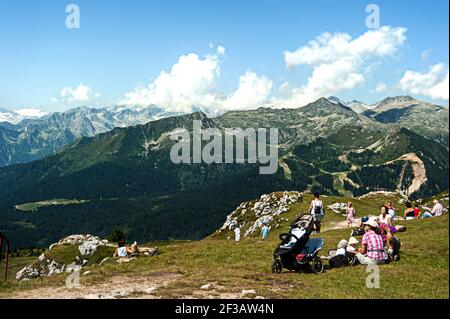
x=397, y=99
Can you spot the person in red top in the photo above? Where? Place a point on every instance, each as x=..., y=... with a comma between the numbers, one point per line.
x=416, y=211
x=372, y=248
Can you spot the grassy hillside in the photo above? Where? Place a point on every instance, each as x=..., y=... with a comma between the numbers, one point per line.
x=185, y=266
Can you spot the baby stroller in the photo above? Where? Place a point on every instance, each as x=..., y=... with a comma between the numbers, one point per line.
x=297, y=252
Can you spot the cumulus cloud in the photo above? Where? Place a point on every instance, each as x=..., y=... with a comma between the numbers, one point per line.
x=339, y=62
x=426, y=54
x=381, y=88
x=29, y=112
x=253, y=91
x=81, y=93
x=192, y=82
x=433, y=84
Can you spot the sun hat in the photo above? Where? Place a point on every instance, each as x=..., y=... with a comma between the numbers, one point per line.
x=342, y=244
x=353, y=241
x=372, y=222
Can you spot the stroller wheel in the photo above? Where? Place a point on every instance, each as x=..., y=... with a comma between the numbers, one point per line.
x=277, y=267
x=317, y=266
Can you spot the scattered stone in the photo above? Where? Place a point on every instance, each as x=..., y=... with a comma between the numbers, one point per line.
x=248, y=292
x=206, y=287
x=150, y=290
x=104, y=260
x=73, y=267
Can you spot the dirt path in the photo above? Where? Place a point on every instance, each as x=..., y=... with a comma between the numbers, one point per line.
x=336, y=225
x=144, y=286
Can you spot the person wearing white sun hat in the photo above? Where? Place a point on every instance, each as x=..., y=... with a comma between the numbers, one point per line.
x=372, y=249
x=352, y=242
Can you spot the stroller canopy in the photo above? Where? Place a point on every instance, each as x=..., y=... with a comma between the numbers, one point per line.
x=313, y=245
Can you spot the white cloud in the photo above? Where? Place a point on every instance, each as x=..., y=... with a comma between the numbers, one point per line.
x=433, y=84
x=426, y=54
x=381, y=88
x=253, y=91
x=30, y=113
x=192, y=82
x=340, y=62
x=82, y=93
x=221, y=50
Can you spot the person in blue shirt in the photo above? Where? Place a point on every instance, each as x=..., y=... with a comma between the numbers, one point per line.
x=265, y=231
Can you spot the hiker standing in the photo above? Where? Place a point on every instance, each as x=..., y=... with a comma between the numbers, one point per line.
x=317, y=211
x=237, y=233
x=300, y=197
x=265, y=232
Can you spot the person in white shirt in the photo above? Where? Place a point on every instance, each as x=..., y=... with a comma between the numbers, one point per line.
x=237, y=233
x=317, y=211
x=342, y=247
x=391, y=211
x=437, y=210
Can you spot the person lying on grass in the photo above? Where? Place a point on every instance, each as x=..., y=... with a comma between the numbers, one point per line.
x=122, y=251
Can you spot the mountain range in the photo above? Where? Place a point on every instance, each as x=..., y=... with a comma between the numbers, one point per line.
x=124, y=177
x=34, y=138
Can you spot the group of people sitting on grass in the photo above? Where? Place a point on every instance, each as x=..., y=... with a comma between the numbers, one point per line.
x=388, y=212
x=415, y=213
x=379, y=243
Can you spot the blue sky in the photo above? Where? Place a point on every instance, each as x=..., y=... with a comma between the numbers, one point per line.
x=123, y=46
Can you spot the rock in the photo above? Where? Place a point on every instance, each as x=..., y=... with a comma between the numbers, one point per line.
x=206, y=287
x=42, y=258
x=150, y=290
x=27, y=273
x=104, y=260
x=248, y=292
x=259, y=297
x=90, y=246
x=73, y=267
x=86, y=273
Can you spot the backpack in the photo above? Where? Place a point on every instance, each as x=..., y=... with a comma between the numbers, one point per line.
x=338, y=261
x=317, y=209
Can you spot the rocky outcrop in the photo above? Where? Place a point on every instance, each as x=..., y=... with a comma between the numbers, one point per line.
x=45, y=267
x=251, y=216
x=87, y=243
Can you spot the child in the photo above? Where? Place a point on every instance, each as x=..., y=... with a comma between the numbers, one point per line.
x=342, y=247
x=265, y=231
x=352, y=242
x=350, y=214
